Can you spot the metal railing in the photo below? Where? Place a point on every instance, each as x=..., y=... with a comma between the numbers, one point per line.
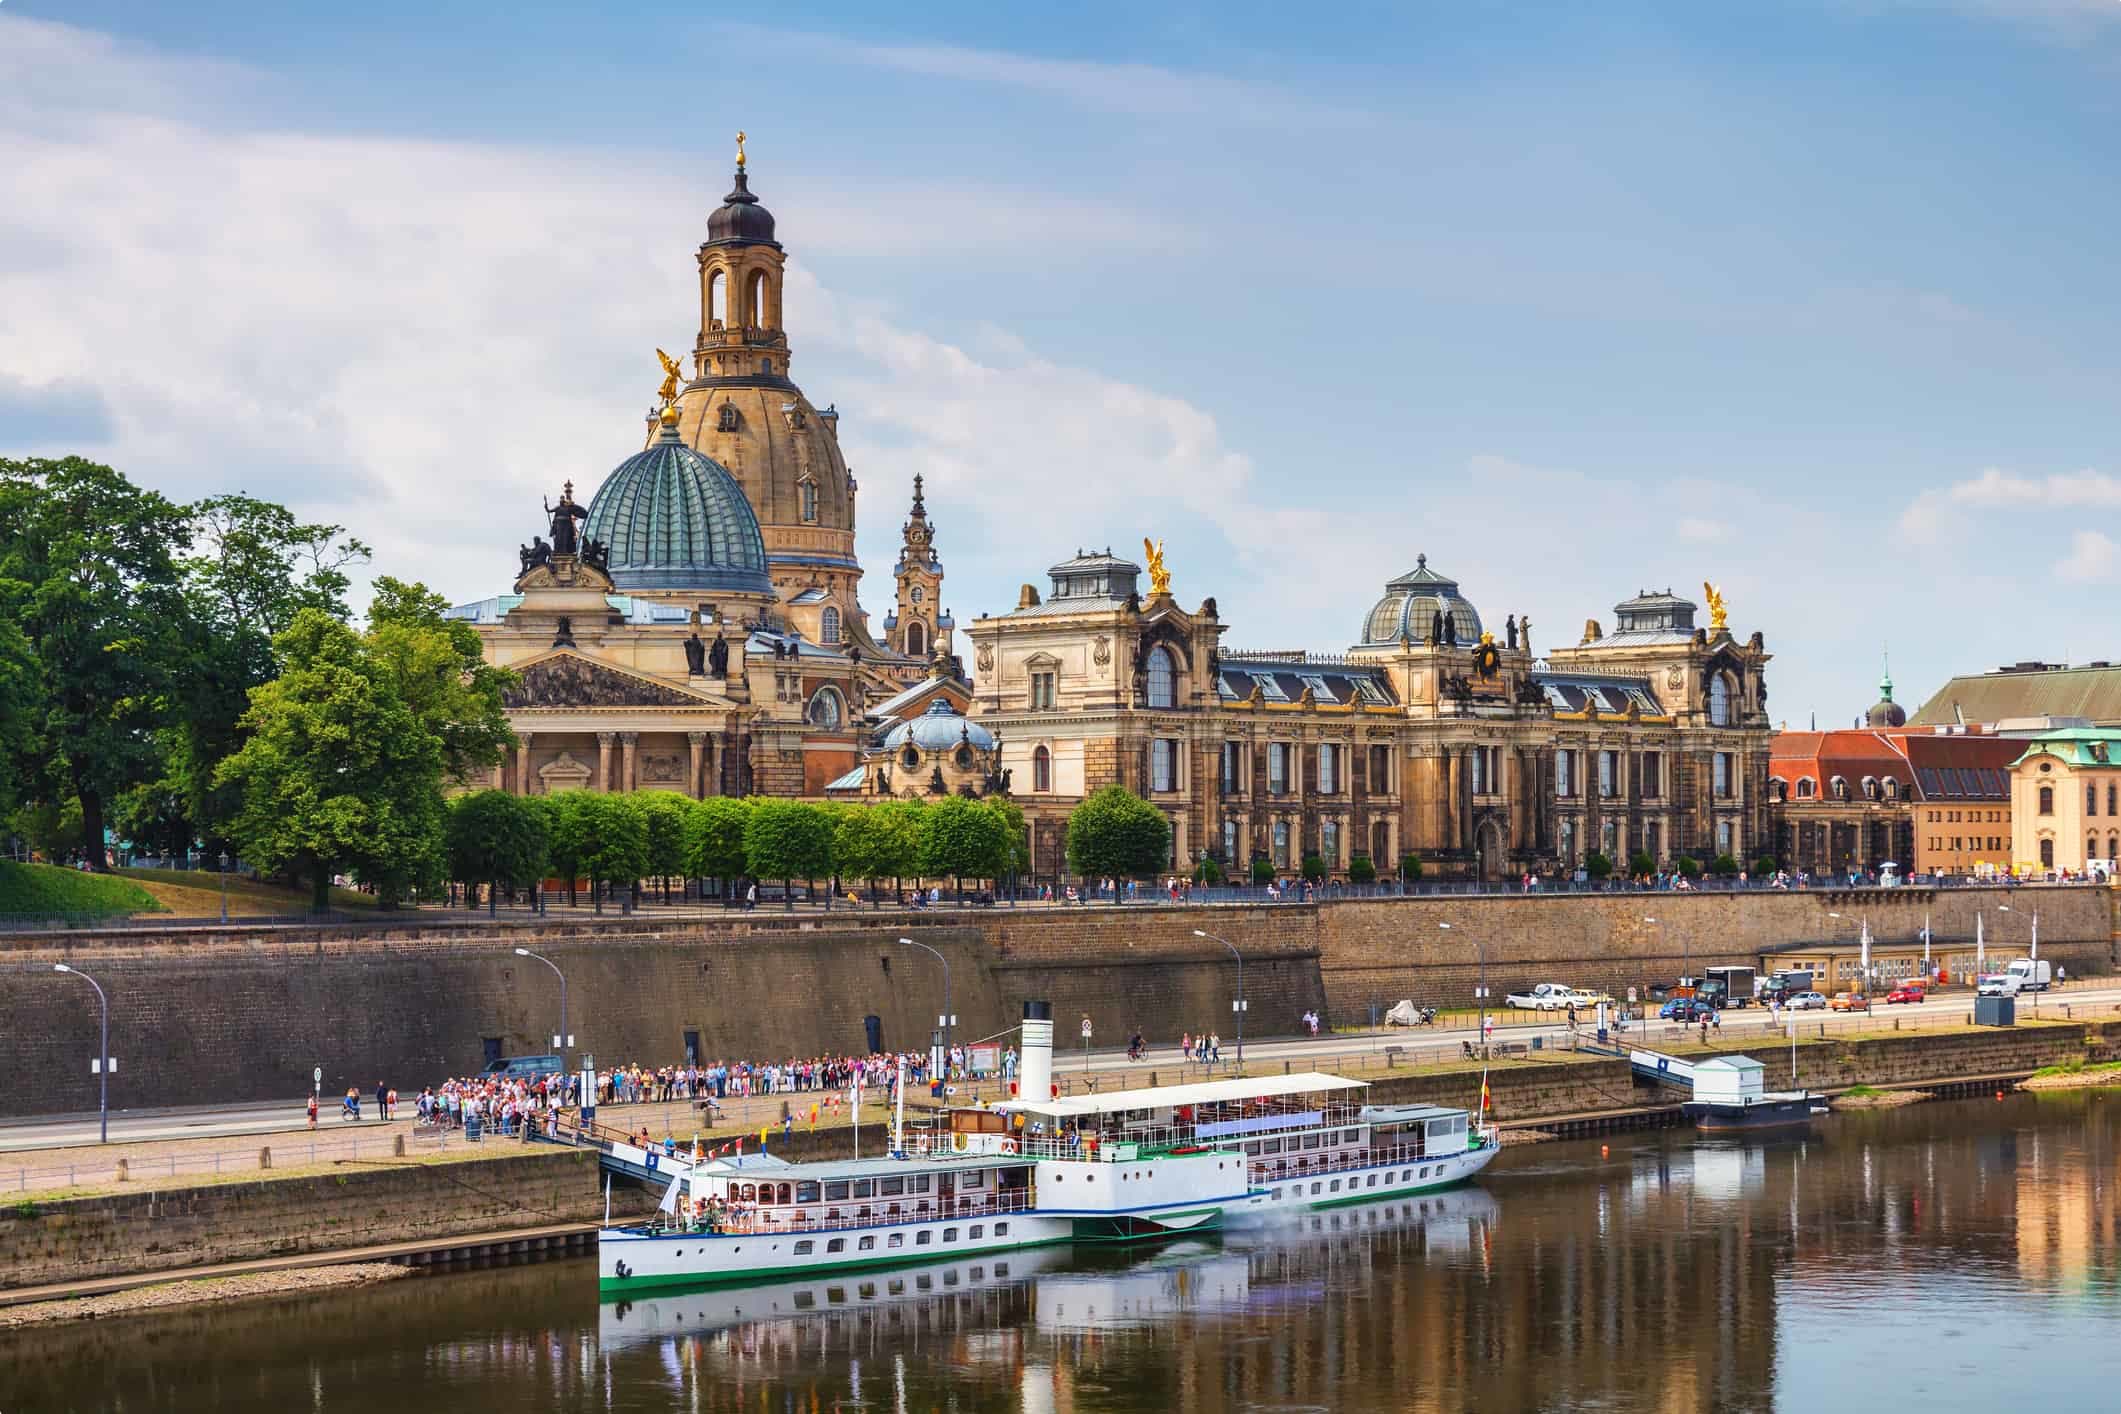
x=104, y=1165
x=754, y=1219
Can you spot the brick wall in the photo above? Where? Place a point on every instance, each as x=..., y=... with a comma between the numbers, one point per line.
x=163, y=1229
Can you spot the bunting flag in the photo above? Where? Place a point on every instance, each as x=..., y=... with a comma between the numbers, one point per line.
x=670, y=1198
x=1484, y=1096
x=813, y=1118
x=762, y=1134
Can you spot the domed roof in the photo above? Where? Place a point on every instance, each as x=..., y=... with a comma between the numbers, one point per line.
x=670, y=518
x=1413, y=603
x=939, y=729
x=1885, y=712
x=740, y=220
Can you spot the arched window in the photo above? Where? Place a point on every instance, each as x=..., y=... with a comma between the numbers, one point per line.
x=1042, y=769
x=2047, y=806
x=765, y=368
x=1779, y=789
x=909, y=758
x=2091, y=800
x=1870, y=787
x=916, y=639
x=826, y=710
x=759, y=308
x=717, y=300
x=809, y=500
x=1807, y=788
x=1841, y=788
x=1719, y=701
x=2110, y=800
x=1163, y=679
x=726, y=419
x=828, y=624
x=1892, y=788
x=2047, y=854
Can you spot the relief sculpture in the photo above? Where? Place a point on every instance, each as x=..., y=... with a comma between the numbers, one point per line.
x=576, y=682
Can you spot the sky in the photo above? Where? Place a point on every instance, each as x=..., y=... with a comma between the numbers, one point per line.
x=1813, y=299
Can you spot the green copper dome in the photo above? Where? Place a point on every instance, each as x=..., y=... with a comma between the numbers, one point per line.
x=671, y=519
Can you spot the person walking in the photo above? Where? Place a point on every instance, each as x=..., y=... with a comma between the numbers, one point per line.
x=382, y=1103
x=312, y=1111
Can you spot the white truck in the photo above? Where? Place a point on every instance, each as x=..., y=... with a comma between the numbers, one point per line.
x=1554, y=996
x=2024, y=974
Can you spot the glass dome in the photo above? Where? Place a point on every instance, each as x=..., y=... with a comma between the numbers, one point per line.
x=670, y=518
x=1412, y=605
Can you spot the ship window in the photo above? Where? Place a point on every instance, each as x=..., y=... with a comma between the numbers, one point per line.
x=804, y=1248
x=1336, y=1186
x=1372, y=1183
x=890, y=1187
x=949, y=1234
x=1311, y=1141
x=923, y=1238
x=918, y=1184
x=864, y=1188
x=837, y=1244
x=1350, y=1137
x=1315, y=1187
x=867, y=1244
x=979, y=1230
x=1272, y=1146
x=806, y=1193
x=896, y=1239
x=1001, y=1230
x=836, y=1191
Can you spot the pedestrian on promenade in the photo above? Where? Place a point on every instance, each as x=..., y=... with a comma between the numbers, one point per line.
x=751, y=898
x=382, y=1102
x=312, y=1111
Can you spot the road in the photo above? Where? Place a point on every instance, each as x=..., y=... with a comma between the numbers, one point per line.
x=1360, y=1050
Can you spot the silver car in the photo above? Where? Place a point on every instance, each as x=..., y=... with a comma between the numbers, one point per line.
x=1808, y=1001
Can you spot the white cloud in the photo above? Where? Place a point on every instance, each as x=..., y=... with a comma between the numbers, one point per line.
x=2092, y=559
x=1934, y=515
x=1702, y=531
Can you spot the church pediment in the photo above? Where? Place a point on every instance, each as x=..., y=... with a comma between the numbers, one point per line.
x=566, y=679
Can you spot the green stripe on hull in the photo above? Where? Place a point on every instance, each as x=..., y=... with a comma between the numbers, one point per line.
x=1378, y=1195
x=1144, y=1229
x=919, y=1257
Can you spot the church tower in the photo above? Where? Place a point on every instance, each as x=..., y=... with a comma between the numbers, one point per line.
x=920, y=627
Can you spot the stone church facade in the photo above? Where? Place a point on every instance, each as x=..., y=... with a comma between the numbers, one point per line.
x=1432, y=735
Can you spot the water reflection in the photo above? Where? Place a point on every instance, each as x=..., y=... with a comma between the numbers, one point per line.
x=1955, y=1251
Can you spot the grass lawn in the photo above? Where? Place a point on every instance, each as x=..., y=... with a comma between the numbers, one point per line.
x=196, y=893
x=46, y=890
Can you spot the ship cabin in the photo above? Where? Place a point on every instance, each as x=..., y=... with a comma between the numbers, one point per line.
x=761, y=1194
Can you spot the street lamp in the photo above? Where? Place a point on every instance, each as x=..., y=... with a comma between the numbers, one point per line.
x=562, y=1042
x=1239, y=1006
x=224, y=886
x=102, y=1055
x=2035, y=953
x=946, y=1020
x=1480, y=992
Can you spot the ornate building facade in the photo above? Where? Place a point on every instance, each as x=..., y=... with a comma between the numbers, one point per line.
x=1432, y=736
x=695, y=625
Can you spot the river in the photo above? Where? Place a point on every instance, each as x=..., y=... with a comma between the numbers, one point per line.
x=1950, y=1256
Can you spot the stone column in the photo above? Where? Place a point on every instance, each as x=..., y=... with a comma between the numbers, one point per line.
x=522, y=763
x=695, y=780
x=604, y=740
x=628, y=764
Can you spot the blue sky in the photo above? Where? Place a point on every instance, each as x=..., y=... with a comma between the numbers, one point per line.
x=1811, y=298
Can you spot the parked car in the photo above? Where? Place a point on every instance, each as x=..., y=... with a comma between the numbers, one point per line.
x=1686, y=1009
x=1807, y=1001
x=1906, y=994
x=1850, y=1001
x=1547, y=996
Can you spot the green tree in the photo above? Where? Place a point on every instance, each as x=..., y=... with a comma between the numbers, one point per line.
x=1723, y=866
x=495, y=838
x=1597, y=865
x=337, y=770
x=1315, y=868
x=1640, y=863
x=1410, y=867
x=443, y=675
x=962, y=836
x=568, y=828
x=714, y=840
x=1262, y=871
x=1361, y=870
x=18, y=706
x=89, y=579
x=1207, y=871
x=665, y=813
x=615, y=841
x=1017, y=857
x=788, y=840
x=1765, y=864
x=880, y=841
x=1115, y=832
x=1688, y=866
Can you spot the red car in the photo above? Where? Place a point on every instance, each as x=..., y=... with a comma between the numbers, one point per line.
x=1906, y=994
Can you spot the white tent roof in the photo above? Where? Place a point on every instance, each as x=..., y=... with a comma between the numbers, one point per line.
x=1206, y=1092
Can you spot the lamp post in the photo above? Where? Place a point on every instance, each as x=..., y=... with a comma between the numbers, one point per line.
x=1866, y=967
x=1239, y=1006
x=102, y=1055
x=1480, y=991
x=562, y=1042
x=224, y=886
x=2035, y=951
x=946, y=1020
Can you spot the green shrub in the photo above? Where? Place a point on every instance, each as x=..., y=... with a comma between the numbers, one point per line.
x=1688, y=866
x=1640, y=863
x=1361, y=870
x=1262, y=871
x=1597, y=865
x=1207, y=871
x=1724, y=867
x=1314, y=868
x=1410, y=867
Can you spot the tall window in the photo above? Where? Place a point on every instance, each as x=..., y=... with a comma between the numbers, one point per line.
x=2110, y=801
x=1565, y=777
x=1719, y=701
x=2047, y=807
x=916, y=640
x=826, y=710
x=1163, y=764
x=1565, y=836
x=809, y=500
x=1163, y=680
x=2047, y=847
x=1380, y=770
x=1233, y=765
x=1278, y=768
x=1230, y=840
x=1042, y=691
x=1281, y=844
x=1723, y=837
x=1328, y=768
x=1042, y=769
x=1722, y=775
x=828, y=624
x=1608, y=774
x=1652, y=775
x=1329, y=842
x=2091, y=800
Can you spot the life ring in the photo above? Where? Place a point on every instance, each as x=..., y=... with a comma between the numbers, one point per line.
x=1008, y=1146
x=961, y=1143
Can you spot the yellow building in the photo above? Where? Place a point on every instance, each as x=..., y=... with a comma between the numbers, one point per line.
x=2066, y=800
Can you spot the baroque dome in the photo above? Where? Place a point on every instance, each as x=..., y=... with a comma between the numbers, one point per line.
x=1411, y=606
x=939, y=729
x=740, y=218
x=670, y=518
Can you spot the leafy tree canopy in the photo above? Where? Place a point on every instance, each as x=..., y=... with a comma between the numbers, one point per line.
x=963, y=838
x=497, y=838
x=1116, y=833
x=714, y=838
x=788, y=839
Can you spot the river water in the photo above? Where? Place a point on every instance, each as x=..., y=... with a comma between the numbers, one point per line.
x=1953, y=1255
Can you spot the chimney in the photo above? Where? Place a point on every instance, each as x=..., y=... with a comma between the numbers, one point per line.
x=1034, y=1073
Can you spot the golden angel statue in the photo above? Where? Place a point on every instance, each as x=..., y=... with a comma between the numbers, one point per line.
x=1717, y=613
x=672, y=376
x=1159, y=576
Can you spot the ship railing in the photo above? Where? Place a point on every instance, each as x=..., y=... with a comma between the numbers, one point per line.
x=1278, y=1168
x=758, y=1220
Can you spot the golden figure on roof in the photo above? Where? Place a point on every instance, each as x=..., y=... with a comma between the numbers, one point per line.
x=1718, y=615
x=740, y=149
x=672, y=376
x=1159, y=576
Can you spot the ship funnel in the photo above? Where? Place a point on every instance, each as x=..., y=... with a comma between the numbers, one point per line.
x=1034, y=1073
